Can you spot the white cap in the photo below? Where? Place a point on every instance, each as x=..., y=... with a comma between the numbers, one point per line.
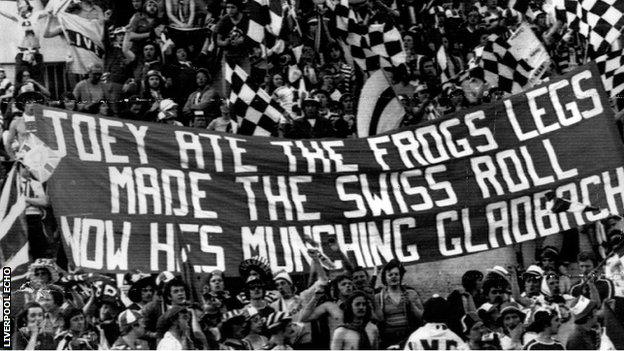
x=283, y=275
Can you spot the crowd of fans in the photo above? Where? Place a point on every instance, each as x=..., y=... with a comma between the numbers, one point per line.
x=536, y=309
x=164, y=62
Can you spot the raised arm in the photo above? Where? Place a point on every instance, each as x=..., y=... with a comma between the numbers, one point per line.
x=8, y=15
x=125, y=48
x=311, y=312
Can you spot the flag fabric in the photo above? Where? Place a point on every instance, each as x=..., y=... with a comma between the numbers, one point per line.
x=521, y=6
x=276, y=10
x=385, y=40
x=557, y=205
x=611, y=67
x=446, y=65
x=257, y=113
x=38, y=158
x=84, y=37
x=259, y=20
x=13, y=230
x=371, y=47
x=501, y=68
x=614, y=327
x=379, y=109
x=599, y=21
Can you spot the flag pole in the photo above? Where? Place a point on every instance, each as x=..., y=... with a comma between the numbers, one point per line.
x=596, y=269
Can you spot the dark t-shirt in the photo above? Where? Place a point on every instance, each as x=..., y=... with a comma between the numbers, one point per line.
x=45, y=341
x=228, y=29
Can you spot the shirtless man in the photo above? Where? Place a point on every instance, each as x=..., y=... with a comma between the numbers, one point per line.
x=17, y=130
x=342, y=288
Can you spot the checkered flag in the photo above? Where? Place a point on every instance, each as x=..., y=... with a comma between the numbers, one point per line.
x=385, y=40
x=256, y=112
x=501, y=68
x=449, y=70
x=611, y=68
x=371, y=47
x=259, y=20
x=599, y=21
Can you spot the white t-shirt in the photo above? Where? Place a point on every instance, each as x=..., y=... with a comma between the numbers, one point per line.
x=435, y=336
x=169, y=342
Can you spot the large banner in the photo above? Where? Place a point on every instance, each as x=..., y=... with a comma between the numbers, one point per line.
x=133, y=195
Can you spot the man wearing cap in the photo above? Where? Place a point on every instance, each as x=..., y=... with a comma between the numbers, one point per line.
x=311, y=125
x=255, y=290
x=233, y=330
x=168, y=112
x=586, y=332
x=293, y=303
x=204, y=101
x=141, y=292
x=435, y=335
x=512, y=321
x=276, y=325
x=532, y=278
x=256, y=327
x=473, y=330
x=132, y=328
x=90, y=91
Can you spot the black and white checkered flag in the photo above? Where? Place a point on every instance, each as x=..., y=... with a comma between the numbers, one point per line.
x=256, y=112
x=599, y=21
x=259, y=20
x=501, y=68
x=611, y=68
x=371, y=47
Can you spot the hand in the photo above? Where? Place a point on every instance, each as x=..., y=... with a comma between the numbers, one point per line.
x=516, y=333
x=34, y=328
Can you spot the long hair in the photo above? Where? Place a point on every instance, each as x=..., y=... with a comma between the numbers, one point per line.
x=348, y=307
